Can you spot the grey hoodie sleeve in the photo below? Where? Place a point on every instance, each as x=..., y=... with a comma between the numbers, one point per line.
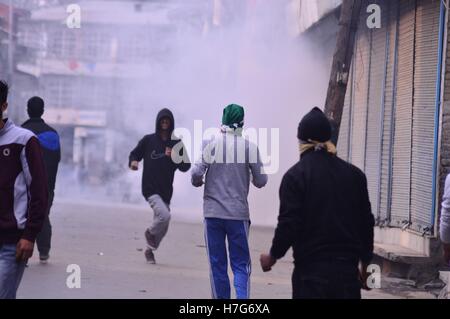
x=199, y=169
x=259, y=177
x=197, y=173
x=445, y=213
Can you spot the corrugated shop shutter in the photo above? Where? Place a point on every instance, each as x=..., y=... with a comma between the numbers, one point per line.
x=401, y=178
x=426, y=61
x=360, y=92
x=391, y=28
x=375, y=100
x=388, y=119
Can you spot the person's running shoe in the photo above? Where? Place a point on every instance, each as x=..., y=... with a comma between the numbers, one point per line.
x=149, y=256
x=43, y=259
x=150, y=240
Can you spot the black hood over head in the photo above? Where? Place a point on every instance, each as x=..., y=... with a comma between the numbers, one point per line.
x=165, y=113
x=159, y=169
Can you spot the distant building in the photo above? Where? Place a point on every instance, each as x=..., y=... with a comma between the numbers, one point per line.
x=94, y=77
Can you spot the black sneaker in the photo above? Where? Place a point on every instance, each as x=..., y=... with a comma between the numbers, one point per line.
x=150, y=240
x=149, y=256
x=44, y=259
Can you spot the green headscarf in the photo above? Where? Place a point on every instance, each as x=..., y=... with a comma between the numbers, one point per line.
x=233, y=116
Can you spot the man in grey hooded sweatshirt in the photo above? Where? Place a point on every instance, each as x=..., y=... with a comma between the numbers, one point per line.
x=229, y=162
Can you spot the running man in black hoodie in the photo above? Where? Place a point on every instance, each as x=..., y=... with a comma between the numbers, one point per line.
x=157, y=178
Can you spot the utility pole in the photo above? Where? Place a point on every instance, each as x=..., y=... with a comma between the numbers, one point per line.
x=337, y=88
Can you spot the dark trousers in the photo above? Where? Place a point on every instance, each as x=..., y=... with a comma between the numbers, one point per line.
x=326, y=280
x=44, y=238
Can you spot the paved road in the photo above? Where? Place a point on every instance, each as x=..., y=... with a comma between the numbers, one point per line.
x=107, y=242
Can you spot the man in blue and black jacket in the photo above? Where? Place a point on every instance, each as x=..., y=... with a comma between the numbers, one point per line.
x=50, y=144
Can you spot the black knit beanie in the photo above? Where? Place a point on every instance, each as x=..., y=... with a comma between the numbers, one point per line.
x=314, y=126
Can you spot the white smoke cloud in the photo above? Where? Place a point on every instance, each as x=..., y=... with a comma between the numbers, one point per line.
x=247, y=55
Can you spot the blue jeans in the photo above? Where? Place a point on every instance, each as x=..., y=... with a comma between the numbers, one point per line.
x=11, y=271
x=236, y=233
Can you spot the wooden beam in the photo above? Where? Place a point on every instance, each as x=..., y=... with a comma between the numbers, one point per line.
x=343, y=55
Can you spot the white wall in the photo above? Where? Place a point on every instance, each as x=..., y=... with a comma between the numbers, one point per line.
x=311, y=11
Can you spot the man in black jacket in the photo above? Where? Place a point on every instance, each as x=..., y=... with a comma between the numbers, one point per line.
x=325, y=216
x=50, y=143
x=157, y=178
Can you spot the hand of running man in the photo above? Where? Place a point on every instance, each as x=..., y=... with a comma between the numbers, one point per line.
x=267, y=261
x=134, y=166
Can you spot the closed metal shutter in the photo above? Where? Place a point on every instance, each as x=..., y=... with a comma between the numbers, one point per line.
x=426, y=61
x=375, y=101
x=391, y=28
x=401, y=173
x=388, y=120
x=360, y=91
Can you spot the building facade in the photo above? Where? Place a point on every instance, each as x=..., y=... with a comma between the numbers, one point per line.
x=95, y=77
